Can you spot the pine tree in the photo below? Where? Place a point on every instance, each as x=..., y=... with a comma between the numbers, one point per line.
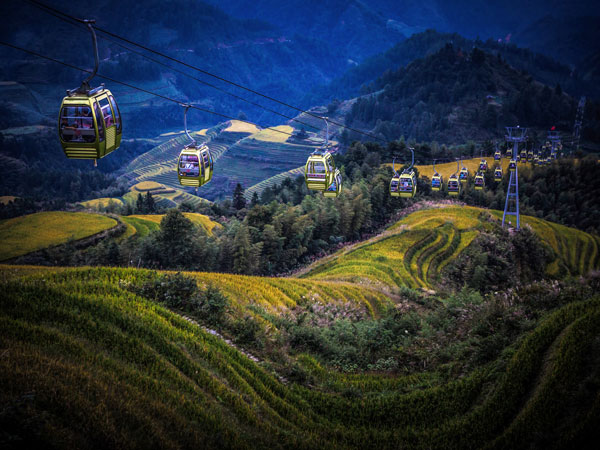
x=139, y=205
x=242, y=251
x=149, y=203
x=239, y=201
x=176, y=242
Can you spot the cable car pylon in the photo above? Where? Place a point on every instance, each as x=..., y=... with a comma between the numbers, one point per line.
x=515, y=135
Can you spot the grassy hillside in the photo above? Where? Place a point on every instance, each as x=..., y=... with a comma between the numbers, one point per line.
x=95, y=365
x=26, y=234
x=413, y=251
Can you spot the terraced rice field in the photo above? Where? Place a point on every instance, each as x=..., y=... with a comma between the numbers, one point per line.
x=101, y=364
x=577, y=251
x=410, y=253
x=251, y=161
x=414, y=251
x=26, y=234
x=274, y=134
x=277, y=179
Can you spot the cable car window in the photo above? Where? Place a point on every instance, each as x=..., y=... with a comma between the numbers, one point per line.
x=109, y=120
x=77, y=124
x=394, y=186
x=99, y=121
x=116, y=111
x=189, y=166
x=316, y=168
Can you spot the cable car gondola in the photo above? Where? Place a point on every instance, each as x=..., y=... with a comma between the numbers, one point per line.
x=454, y=183
x=523, y=155
x=335, y=188
x=89, y=122
x=498, y=174
x=497, y=155
x=463, y=175
x=479, y=181
x=319, y=171
x=512, y=165
x=509, y=153
x=195, y=163
x=436, y=180
x=483, y=165
x=405, y=184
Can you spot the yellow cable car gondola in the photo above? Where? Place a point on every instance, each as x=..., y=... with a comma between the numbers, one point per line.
x=463, y=175
x=405, y=184
x=89, y=122
x=436, y=180
x=512, y=165
x=479, y=181
x=195, y=163
x=454, y=185
x=497, y=155
x=509, y=153
x=319, y=171
x=483, y=165
x=408, y=183
x=335, y=188
x=523, y=155
x=498, y=173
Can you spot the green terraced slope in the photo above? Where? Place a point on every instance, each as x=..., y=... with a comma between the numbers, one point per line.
x=94, y=365
x=277, y=179
x=413, y=251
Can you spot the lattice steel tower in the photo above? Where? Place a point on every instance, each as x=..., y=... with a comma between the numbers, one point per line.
x=554, y=139
x=578, y=123
x=514, y=135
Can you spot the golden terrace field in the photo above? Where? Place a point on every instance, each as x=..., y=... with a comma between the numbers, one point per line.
x=26, y=234
x=99, y=365
x=413, y=251
x=96, y=364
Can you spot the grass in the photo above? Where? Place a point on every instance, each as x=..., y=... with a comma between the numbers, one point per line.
x=27, y=234
x=94, y=365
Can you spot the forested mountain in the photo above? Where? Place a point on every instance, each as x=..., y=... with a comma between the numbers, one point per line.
x=249, y=52
x=581, y=81
x=453, y=96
